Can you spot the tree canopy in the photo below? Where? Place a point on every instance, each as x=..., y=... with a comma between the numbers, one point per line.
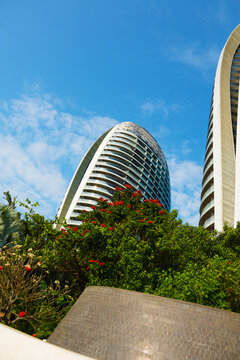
x=135, y=244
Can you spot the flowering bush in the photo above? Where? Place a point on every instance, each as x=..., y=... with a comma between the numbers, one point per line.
x=27, y=302
x=133, y=244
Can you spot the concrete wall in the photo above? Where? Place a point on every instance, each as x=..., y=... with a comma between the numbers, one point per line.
x=16, y=345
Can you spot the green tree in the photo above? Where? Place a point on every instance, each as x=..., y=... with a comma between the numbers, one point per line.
x=10, y=225
x=135, y=244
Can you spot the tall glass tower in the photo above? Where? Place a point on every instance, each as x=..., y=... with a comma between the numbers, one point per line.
x=220, y=198
x=125, y=154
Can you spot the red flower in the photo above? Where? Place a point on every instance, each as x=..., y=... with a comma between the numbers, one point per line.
x=63, y=229
x=101, y=199
x=28, y=268
x=150, y=222
x=109, y=212
x=102, y=210
x=102, y=263
x=161, y=212
x=34, y=335
x=93, y=261
x=88, y=268
x=93, y=222
x=145, y=200
x=128, y=186
x=141, y=220
x=129, y=206
x=161, y=205
x=69, y=227
x=75, y=228
x=118, y=189
x=1, y=267
x=22, y=314
x=155, y=201
x=111, y=228
x=229, y=262
x=93, y=207
x=120, y=202
x=102, y=225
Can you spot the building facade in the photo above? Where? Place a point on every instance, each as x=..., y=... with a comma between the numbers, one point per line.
x=220, y=197
x=125, y=154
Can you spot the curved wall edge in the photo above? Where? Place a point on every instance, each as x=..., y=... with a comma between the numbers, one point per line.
x=110, y=324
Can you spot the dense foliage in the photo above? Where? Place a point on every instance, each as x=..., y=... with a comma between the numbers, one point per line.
x=28, y=302
x=11, y=226
x=133, y=244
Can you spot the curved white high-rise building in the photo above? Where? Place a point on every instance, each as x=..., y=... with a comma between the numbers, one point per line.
x=125, y=154
x=220, y=198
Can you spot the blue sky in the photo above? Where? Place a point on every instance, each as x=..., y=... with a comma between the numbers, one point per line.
x=71, y=69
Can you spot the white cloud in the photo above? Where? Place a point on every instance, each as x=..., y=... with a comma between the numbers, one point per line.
x=185, y=179
x=161, y=131
x=218, y=11
x=160, y=105
x=148, y=107
x=40, y=147
x=194, y=55
x=186, y=149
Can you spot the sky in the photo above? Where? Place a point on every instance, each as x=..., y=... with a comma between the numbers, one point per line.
x=72, y=69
